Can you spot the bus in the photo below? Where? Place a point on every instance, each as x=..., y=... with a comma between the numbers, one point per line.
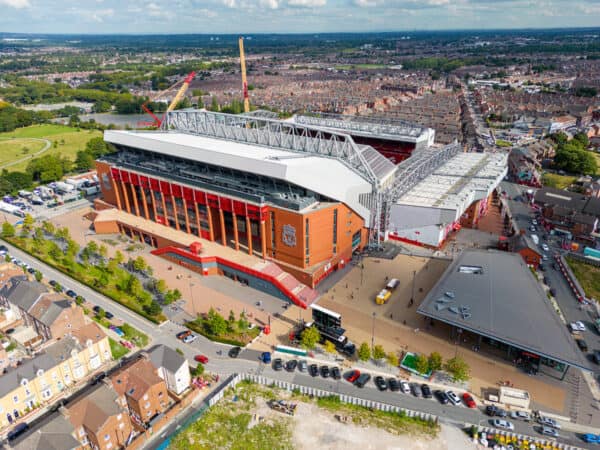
x=326, y=318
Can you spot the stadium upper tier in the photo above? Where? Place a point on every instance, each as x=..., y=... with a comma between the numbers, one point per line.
x=197, y=159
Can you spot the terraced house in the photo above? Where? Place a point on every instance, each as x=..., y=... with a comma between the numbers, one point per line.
x=39, y=380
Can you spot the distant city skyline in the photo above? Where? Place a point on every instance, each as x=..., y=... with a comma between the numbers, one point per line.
x=289, y=16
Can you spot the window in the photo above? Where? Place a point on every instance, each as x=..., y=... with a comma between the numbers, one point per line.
x=307, y=241
x=147, y=405
x=109, y=445
x=16, y=398
x=272, y=230
x=27, y=392
x=106, y=437
x=81, y=432
x=120, y=416
x=160, y=394
x=146, y=397
x=24, y=382
x=475, y=270
x=121, y=425
x=54, y=376
x=335, y=216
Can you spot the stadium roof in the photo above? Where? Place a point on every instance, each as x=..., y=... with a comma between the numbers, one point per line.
x=458, y=182
x=378, y=127
x=493, y=294
x=327, y=176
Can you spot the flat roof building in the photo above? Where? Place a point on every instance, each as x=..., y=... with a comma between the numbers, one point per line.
x=493, y=296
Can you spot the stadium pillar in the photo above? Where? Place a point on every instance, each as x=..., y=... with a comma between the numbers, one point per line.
x=117, y=195
x=153, y=200
x=211, y=231
x=263, y=240
x=164, y=205
x=126, y=196
x=135, y=200
x=174, y=203
x=145, y=203
x=235, y=231
x=222, y=223
x=249, y=234
x=197, y=220
x=187, y=217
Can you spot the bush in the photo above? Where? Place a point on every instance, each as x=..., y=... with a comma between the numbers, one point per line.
x=458, y=368
x=378, y=352
x=422, y=364
x=310, y=337
x=435, y=361
x=198, y=370
x=364, y=352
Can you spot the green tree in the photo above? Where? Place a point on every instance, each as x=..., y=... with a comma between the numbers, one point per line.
x=100, y=314
x=55, y=252
x=231, y=318
x=153, y=308
x=160, y=286
x=214, y=105
x=216, y=323
x=58, y=287
x=48, y=227
x=582, y=138
x=38, y=276
x=92, y=247
x=310, y=338
x=112, y=266
x=139, y=264
x=62, y=233
x=458, y=368
x=378, y=352
x=364, y=352
x=72, y=247
x=435, y=361
x=8, y=230
x=28, y=222
x=38, y=235
x=198, y=370
x=422, y=364
x=243, y=321
x=119, y=258
x=330, y=347
x=7, y=258
x=103, y=251
x=84, y=161
x=392, y=359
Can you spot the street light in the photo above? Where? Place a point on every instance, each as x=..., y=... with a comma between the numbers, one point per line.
x=412, y=297
x=192, y=297
x=373, y=334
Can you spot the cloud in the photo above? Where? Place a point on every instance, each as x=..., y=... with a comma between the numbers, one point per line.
x=18, y=4
x=307, y=3
x=271, y=4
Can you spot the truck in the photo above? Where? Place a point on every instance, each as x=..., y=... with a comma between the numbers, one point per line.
x=392, y=284
x=76, y=183
x=335, y=335
x=86, y=191
x=64, y=187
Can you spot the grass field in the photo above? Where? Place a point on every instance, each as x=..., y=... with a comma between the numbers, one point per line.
x=557, y=181
x=68, y=142
x=588, y=276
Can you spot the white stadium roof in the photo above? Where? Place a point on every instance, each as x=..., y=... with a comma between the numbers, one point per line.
x=325, y=175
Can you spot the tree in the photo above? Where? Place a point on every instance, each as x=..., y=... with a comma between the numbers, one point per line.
x=139, y=264
x=55, y=252
x=392, y=359
x=103, y=251
x=62, y=233
x=28, y=222
x=231, y=318
x=119, y=258
x=216, y=323
x=153, y=308
x=48, y=227
x=38, y=276
x=310, y=338
x=364, y=352
x=582, y=138
x=422, y=364
x=112, y=266
x=458, y=368
x=214, y=105
x=38, y=235
x=84, y=161
x=7, y=258
x=58, y=287
x=330, y=347
x=100, y=314
x=435, y=361
x=8, y=230
x=242, y=321
x=92, y=247
x=378, y=352
x=198, y=370
x=160, y=286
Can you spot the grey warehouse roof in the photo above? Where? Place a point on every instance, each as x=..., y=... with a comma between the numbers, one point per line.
x=22, y=292
x=503, y=302
x=163, y=356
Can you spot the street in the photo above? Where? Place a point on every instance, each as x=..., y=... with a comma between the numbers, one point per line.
x=248, y=361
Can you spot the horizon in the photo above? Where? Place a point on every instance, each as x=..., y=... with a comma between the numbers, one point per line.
x=143, y=17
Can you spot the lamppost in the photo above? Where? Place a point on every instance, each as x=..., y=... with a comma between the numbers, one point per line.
x=373, y=334
x=412, y=297
x=192, y=297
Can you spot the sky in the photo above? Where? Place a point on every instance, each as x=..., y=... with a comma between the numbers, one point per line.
x=284, y=16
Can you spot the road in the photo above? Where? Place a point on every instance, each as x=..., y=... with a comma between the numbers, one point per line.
x=249, y=362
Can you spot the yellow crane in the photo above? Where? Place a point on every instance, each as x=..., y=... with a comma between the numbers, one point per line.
x=244, y=81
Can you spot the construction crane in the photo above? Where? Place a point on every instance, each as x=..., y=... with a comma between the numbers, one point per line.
x=157, y=122
x=244, y=81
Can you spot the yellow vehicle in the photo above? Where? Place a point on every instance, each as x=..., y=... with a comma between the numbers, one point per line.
x=383, y=297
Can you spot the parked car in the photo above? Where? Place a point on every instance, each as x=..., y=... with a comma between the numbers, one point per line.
x=179, y=335
x=108, y=315
x=582, y=345
x=71, y=293
x=591, y=438
x=96, y=309
x=17, y=431
x=266, y=357
x=313, y=370
x=190, y=338
x=596, y=356
x=394, y=384
x=548, y=422
x=520, y=415
x=201, y=359
x=577, y=326
x=380, y=383
x=291, y=365
x=545, y=247
x=277, y=364
x=325, y=372
x=454, y=399
x=501, y=423
x=416, y=390
x=302, y=365
x=549, y=431
x=492, y=410
x=442, y=397
x=335, y=373
x=353, y=376
x=31, y=270
x=468, y=399
x=362, y=380
x=426, y=391
x=404, y=386
x=234, y=352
